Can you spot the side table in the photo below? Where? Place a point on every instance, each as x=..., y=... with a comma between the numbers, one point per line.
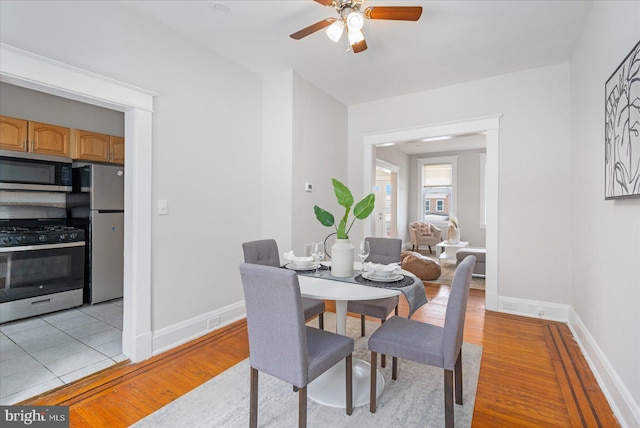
x=448, y=251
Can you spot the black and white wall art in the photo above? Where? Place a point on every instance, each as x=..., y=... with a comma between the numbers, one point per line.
x=622, y=129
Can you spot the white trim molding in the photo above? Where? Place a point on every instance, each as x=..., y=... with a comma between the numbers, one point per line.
x=620, y=399
x=188, y=330
x=28, y=70
x=534, y=308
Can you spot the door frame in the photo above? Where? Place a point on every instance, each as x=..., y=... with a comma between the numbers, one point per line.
x=28, y=70
x=490, y=126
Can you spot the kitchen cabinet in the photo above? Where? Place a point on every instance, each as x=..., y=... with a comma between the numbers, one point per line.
x=35, y=137
x=13, y=134
x=91, y=146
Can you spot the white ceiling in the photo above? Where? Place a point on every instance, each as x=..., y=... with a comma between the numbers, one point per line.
x=453, y=42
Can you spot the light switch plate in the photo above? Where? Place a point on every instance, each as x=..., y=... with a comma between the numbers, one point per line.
x=163, y=207
x=308, y=187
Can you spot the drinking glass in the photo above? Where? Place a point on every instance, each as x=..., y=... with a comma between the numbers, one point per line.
x=317, y=253
x=363, y=253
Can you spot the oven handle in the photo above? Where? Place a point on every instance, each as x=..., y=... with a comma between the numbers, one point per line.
x=42, y=247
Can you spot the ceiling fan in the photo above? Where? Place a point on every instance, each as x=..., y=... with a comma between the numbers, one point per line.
x=352, y=19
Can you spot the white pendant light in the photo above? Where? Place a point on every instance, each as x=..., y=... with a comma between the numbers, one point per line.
x=355, y=21
x=334, y=31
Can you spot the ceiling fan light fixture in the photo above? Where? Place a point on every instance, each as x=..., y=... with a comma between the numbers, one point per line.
x=355, y=36
x=355, y=21
x=335, y=30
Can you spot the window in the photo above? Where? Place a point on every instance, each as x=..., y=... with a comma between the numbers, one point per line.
x=437, y=190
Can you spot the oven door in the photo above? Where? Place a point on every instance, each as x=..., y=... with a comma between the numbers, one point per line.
x=37, y=270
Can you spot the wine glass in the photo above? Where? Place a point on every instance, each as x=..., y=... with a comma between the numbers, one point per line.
x=317, y=253
x=363, y=253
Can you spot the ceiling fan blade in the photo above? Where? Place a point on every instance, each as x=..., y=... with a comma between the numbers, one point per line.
x=325, y=2
x=312, y=28
x=359, y=46
x=400, y=13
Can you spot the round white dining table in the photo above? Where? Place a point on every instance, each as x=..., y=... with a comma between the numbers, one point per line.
x=329, y=388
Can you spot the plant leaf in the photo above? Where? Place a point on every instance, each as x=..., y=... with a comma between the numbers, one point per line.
x=343, y=194
x=364, y=207
x=324, y=217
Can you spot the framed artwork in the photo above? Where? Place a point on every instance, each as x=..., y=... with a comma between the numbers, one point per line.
x=622, y=129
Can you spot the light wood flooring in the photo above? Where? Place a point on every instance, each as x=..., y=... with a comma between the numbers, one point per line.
x=532, y=373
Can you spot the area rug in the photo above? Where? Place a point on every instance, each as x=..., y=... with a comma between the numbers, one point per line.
x=448, y=269
x=416, y=398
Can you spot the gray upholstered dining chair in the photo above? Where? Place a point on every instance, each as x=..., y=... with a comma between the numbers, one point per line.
x=429, y=344
x=280, y=343
x=383, y=251
x=265, y=252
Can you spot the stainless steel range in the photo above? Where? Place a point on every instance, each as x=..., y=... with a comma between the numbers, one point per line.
x=41, y=262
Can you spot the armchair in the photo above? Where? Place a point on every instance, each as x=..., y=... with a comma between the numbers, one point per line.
x=422, y=233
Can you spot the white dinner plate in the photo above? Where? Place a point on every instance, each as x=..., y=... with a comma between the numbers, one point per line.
x=293, y=267
x=392, y=278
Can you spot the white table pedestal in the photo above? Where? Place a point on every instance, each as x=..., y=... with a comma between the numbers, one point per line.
x=329, y=388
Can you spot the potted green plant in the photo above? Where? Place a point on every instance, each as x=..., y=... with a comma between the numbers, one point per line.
x=342, y=251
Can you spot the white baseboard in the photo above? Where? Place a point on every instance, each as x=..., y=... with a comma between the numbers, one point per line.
x=533, y=308
x=185, y=331
x=620, y=399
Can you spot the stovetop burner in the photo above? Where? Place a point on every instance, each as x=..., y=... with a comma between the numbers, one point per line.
x=13, y=230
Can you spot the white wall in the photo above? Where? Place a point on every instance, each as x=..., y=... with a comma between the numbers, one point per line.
x=319, y=154
x=206, y=143
x=605, y=284
x=533, y=158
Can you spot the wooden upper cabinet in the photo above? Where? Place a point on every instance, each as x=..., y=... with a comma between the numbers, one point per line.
x=13, y=134
x=91, y=146
x=49, y=139
x=117, y=150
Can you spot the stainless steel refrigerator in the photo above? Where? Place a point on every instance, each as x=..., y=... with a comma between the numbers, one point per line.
x=97, y=204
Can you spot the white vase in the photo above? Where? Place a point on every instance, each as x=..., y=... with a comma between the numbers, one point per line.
x=342, y=253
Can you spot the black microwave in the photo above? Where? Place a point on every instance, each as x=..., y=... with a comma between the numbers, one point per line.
x=32, y=171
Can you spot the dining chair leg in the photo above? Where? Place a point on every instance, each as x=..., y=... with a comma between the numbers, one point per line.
x=349, y=389
x=253, y=401
x=374, y=378
x=383, y=359
x=457, y=372
x=321, y=321
x=394, y=368
x=430, y=252
x=362, y=325
x=448, y=399
x=302, y=407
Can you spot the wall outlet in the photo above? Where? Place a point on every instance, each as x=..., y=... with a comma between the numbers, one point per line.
x=512, y=306
x=213, y=322
x=540, y=312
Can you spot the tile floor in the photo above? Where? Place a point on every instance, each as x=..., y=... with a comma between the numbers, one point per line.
x=41, y=353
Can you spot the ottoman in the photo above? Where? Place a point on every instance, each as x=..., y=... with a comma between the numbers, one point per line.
x=423, y=267
x=480, y=254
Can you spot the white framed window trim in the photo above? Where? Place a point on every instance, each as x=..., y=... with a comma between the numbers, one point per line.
x=453, y=160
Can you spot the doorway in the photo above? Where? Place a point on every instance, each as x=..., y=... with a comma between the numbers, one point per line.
x=386, y=191
x=490, y=126
x=28, y=70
